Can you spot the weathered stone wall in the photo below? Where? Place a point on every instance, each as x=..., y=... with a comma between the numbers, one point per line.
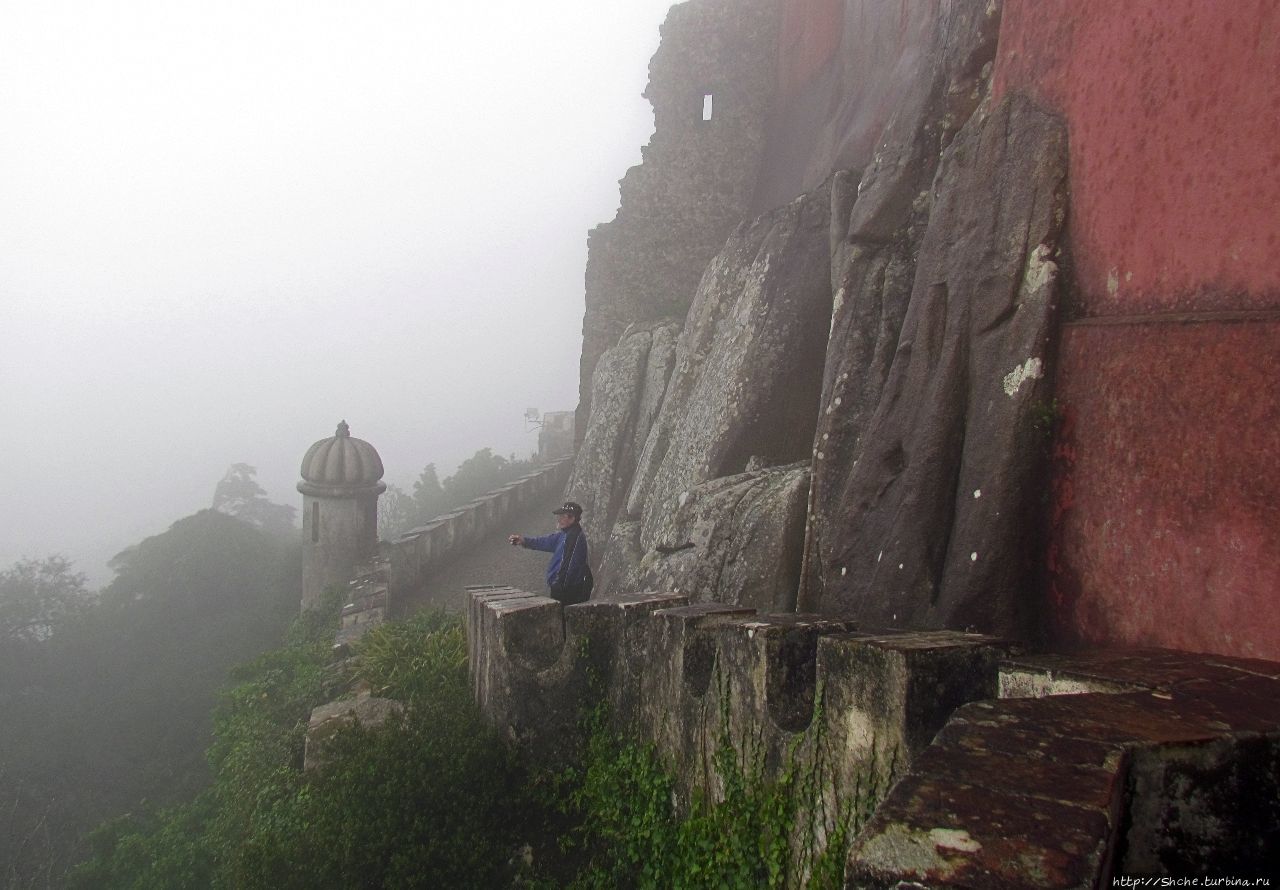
x=959, y=761
x=696, y=177
x=687, y=676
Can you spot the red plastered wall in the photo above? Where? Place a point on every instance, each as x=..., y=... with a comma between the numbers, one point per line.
x=1165, y=525
x=1174, y=115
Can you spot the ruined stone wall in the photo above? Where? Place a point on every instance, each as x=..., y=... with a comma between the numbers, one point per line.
x=845, y=68
x=695, y=181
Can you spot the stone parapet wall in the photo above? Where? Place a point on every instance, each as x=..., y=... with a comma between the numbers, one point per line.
x=402, y=568
x=959, y=761
x=415, y=553
x=857, y=706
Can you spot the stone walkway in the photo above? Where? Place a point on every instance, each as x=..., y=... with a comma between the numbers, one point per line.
x=494, y=562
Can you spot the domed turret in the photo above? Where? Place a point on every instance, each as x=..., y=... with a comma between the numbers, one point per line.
x=342, y=460
x=341, y=481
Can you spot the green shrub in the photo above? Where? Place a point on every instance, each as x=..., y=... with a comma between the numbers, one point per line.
x=433, y=798
x=430, y=799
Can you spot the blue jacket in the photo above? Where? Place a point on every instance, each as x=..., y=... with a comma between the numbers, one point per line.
x=554, y=544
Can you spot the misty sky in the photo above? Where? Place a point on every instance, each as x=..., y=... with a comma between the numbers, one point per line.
x=226, y=226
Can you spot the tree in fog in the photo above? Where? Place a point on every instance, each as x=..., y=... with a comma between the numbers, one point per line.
x=397, y=513
x=105, y=700
x=428, y=495
x=482, y=472
x=37, y=595
x=238, y=494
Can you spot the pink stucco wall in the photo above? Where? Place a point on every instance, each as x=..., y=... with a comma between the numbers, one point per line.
x=1165, y=526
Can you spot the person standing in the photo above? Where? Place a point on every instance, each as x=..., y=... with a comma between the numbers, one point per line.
x=569, y=571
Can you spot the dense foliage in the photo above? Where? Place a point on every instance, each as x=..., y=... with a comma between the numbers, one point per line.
x=106, y=699
x=431, y=799
x=435, y=799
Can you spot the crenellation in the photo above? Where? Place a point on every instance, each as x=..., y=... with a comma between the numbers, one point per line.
x=685, y=676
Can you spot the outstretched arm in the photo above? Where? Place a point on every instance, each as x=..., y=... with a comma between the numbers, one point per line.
x=542, y=542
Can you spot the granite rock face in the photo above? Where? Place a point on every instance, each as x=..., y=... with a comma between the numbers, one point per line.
x=890, y=327
x=626, y=392
x=706, y=512
x=747, y=378
x=921, y=499
x=734, y=539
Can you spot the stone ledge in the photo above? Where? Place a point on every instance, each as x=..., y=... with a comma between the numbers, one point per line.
x=1175, y=778
x=1124, y=670
x=947, y=833
x=669, y=670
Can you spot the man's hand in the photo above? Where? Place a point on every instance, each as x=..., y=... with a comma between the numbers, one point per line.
x=515, y=540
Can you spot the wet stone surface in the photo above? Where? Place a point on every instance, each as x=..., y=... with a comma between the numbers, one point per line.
x=1180, y=778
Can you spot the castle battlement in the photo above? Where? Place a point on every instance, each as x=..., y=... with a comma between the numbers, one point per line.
x=688, y=676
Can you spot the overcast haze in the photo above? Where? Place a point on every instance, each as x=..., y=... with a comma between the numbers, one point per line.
x=225, y=227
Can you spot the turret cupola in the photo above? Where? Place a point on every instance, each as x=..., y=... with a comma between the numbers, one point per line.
x=342, y=461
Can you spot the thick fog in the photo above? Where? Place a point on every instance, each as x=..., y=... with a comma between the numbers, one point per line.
x=224, y=227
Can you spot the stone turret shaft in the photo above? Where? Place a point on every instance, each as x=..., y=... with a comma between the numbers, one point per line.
x=341, y=481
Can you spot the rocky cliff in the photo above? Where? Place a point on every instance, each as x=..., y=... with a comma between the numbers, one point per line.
x=847, y=415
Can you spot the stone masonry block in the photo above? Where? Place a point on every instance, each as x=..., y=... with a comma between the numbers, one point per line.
x=328, y=719
x=888, y=695
x=676, y=708
x=770, y=666
x=533, y=660
x=945, y=834
x=1178, y=774
x=611, y=632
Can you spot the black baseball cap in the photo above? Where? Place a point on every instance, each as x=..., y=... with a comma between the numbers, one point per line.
x=569, y=507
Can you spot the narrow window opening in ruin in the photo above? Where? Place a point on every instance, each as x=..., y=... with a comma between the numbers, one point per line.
x=315, y=522
x=708, y=106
